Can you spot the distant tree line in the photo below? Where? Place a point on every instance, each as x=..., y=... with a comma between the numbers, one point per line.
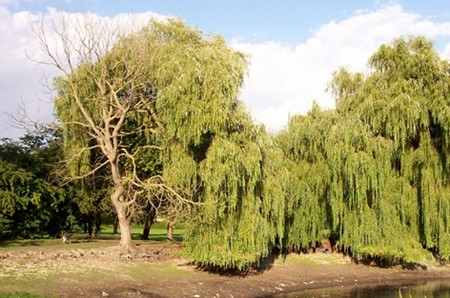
x=31, y=205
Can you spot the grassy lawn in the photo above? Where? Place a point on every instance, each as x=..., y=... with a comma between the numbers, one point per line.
x=158, y=233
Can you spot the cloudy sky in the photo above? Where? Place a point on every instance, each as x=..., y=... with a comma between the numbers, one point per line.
x=295, y=45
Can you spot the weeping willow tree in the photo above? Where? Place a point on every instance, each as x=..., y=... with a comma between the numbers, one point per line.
x=374, y=172
x=306, y=205
x=242, y=215
x=215, y=155
x=406, y=100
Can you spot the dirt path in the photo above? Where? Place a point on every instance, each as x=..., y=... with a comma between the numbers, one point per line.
x=156, y=272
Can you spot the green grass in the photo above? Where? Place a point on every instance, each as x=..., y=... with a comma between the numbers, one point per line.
x=18, y=244
x=158, y=233
x=13, y=245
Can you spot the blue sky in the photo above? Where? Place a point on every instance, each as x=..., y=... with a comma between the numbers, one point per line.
x=287, y=21
x=294, y=45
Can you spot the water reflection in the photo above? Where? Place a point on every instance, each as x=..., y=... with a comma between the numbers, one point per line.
x=437, y=289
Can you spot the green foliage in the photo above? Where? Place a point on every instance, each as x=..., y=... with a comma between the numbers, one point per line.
x=236, y=226
x=213, y=152
x=31, y=204
x=375, y=171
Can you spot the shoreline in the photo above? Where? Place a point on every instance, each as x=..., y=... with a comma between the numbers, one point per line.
x=362, y=290
x=80, y=272
x=326, y=272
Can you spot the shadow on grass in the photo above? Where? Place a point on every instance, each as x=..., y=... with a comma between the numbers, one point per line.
x=23, y=243
x=383, y=263
x=74, y=238
x=160, y=237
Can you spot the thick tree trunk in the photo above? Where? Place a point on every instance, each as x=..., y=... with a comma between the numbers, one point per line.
x=145, y=231
x=124, y=223
x=125, y=231
x=147, y=224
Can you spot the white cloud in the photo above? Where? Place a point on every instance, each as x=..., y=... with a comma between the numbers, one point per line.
x=6, y=2
x=285, y=80
x=17, y=72
x=446, y=53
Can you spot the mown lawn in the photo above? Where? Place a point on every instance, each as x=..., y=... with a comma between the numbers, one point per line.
x=158, y=233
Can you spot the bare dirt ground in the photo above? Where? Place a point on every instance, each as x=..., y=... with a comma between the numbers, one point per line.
x=158, y=270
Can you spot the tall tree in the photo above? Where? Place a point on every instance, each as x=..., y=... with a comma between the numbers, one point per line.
x=239, y=181
x=307, y=212
x=215, y=154
x=122, y=100
x=405, y=99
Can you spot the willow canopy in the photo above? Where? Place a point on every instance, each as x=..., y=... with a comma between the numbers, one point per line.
x=376, y=169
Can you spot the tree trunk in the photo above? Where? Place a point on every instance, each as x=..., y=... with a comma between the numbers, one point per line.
x=145, y=231
x=170, y=231
x=126, y=242
x=115, y=225
x=148, y=222
x=90, y=226
x=97, y=225
x=125, y=230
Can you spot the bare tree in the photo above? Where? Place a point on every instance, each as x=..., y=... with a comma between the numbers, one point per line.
x=106, y=105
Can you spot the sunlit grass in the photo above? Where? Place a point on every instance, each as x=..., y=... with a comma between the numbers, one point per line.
x=158, y=232
x=79, y=239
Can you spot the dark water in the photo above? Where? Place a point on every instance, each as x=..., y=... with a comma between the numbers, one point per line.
x=436, y=289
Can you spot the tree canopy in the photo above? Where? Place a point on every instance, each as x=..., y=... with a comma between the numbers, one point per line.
x=377, y=166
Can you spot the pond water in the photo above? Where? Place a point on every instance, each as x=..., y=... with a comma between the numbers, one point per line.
x=435, y=289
